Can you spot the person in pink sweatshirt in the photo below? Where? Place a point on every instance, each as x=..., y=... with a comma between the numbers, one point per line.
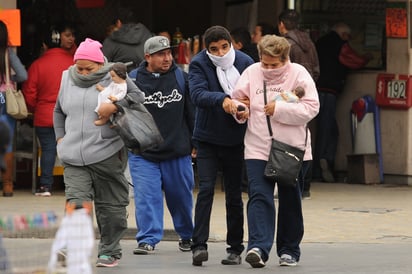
x=288, y=122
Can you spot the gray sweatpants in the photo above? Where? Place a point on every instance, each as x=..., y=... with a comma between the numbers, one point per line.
x=105, y=184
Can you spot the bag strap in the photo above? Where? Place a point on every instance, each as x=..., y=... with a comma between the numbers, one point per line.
x=180, y=78
x=6, y=62
x=268, y=119
x=267, y=116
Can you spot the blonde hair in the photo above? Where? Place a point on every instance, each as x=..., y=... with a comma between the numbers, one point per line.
x=274, y=46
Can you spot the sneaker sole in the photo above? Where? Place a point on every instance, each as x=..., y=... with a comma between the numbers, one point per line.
x=287, y=264
x=184, y=249
x=254, y=260
x=107, y=265
x=201, y=257
x=142, y=252
x=44, y=194
x=227, y=262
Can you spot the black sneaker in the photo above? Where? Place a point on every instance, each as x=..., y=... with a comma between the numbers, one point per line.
x=287, y=260
x=61, y=257
x=232, y=259
x=306, y=195
x=143, y=249
x=199, y=256
x=184, y=245
x=43, y=192
x=254, y=258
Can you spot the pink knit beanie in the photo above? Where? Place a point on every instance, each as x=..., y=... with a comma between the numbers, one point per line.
x=89, y=49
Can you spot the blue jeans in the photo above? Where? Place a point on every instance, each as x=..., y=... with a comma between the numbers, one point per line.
x=10, y=122
x=327, y=132
x=150, y=179
x=48, y=144
x=211, y=158
x=305, y=176
x=261, y=213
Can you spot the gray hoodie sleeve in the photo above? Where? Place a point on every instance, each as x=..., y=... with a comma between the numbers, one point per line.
x=18, y=67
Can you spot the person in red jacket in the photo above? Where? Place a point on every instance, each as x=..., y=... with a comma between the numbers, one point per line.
x=40, y=91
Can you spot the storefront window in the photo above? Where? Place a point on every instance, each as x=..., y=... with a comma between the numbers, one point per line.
x=365, y=17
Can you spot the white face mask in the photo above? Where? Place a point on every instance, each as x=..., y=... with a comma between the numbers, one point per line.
x=225, y=61
x=226, y=72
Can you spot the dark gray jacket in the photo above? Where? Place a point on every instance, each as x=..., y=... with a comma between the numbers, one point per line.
x=126, y=44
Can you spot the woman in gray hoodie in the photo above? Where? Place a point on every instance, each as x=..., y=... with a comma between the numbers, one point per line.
x=94, y=157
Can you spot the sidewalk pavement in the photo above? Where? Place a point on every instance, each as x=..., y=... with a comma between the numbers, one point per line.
x=336, y=212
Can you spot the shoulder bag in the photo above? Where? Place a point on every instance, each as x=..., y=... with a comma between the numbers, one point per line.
x=285, y=161
x=15, y=104
x=136, y=126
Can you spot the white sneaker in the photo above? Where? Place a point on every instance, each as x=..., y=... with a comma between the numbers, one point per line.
x=43, y=192
x=254, y=258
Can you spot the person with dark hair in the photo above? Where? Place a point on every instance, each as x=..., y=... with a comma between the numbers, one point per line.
x=20, y=76
x=125, y=44
x=262, y=29
x=242, y=40
x=67, y=32
x=302, y=51
x=213, y=74
x=165, y=33
x=114, y=92
x=302, y=48
x=40, y=92
x=61, y=34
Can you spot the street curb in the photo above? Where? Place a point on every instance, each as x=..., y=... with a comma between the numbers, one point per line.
x=49, y=233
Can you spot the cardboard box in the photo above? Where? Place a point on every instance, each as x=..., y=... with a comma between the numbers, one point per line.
x=363, y=168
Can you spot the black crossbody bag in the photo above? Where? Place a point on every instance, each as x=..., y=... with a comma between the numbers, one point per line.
x=285, y=161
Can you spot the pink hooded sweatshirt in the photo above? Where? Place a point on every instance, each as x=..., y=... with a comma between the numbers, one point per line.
x=289, y=119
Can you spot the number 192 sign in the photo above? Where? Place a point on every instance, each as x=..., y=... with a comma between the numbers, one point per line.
x=394, y=91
